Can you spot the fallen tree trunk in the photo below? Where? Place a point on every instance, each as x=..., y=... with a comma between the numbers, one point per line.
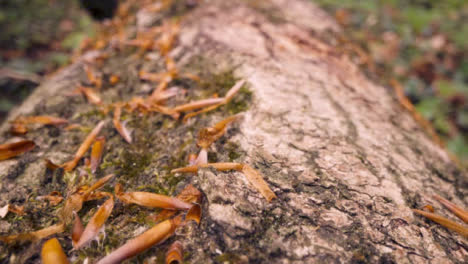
x=345, y=160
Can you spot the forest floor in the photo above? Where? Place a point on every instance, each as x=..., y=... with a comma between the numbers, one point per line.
x=422, y=44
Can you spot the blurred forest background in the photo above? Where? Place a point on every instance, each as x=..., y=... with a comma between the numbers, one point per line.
x=421, y=43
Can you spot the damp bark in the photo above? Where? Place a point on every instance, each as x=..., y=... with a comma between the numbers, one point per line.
x=344, y=158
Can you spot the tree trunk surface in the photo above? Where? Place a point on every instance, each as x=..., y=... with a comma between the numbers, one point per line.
x=346, y=161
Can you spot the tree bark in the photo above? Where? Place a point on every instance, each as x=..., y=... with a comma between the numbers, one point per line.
x=346, y=161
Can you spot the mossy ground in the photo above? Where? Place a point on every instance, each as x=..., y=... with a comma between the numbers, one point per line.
x=160, y=144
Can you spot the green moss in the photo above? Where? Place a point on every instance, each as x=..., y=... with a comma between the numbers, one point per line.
x=231, y=148
x=241, y=101
x=131, y=163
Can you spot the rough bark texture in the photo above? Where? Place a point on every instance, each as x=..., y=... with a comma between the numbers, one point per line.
x=345, y=160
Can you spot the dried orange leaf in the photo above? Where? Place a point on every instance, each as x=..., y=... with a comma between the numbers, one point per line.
x=91, y=95
x=221, y=166
x=152, y=200
x=43, y=120
x=52, y=253
x=36, y=235
x=462, y=214
x=11, y=150
x=444, y=222
x=155, y=235
x=98, y=184
x=72, y=127
x=84, y=147
x=96, y=153
x=198, y=104
x=256, y=179
x=174, y=254
x=123, y=131
x=208, y=135
x=96, y=223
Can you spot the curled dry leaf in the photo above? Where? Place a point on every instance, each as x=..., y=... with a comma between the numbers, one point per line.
x=35, y=235
x=123, y=131
x=84, y=147
x=96, y=153
x=151, y=200
x=52, y=252
x=459, y=212
x=198, y=104
x=152, y=236
x=96, y=223
x=174, y=254
x=444, y=222
x=194, y=214
x=11, y=150
x=208, y=135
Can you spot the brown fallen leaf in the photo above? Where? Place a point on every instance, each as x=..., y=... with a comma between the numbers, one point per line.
x=35, y=235
x=123, y=131
x=152, y=236
x=151, y=200
x=96, y=153
x=459, y=212
x=84, y=147
x=96, y=223
x=10, y=150
x=52, y=252
x=91, y=95
x=444, y=222
x=229, y=95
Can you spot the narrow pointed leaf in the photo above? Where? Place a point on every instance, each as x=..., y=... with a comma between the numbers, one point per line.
x=459, y=212
x=444, y=222
x=96, y=223
x=152, y=236
x=11, y=150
